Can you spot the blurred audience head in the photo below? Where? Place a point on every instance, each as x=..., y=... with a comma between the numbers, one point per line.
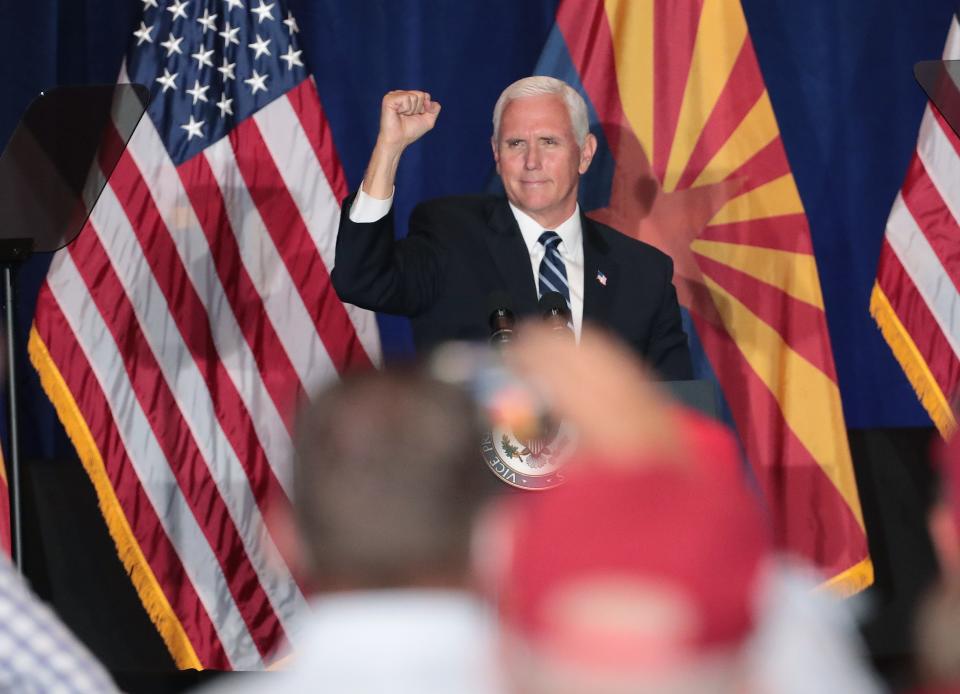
x=630, y=579
x=937, y=624
x=387, y=480
x=944, y=519
x=651, y=568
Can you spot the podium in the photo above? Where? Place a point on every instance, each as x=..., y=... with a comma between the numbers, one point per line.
x=940, y=79
x=699, y=395
x=52, y=172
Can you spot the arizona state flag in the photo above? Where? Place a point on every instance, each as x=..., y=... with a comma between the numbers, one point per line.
x=693, y=161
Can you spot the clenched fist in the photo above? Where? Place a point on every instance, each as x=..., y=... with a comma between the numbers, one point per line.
x=405, y=116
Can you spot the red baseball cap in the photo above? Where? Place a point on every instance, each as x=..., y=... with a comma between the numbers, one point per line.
x=644, y=564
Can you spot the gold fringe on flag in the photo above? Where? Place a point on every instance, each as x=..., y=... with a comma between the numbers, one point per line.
x=858, y=577
x=912, y=362
x=146, y=584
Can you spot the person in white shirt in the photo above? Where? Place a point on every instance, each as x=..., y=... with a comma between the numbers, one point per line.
x=387, y=481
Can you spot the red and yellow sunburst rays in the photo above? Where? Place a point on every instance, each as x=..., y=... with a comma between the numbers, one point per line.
x=702, y=174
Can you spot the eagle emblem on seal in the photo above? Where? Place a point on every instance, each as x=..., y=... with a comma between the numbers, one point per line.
x=528, y=461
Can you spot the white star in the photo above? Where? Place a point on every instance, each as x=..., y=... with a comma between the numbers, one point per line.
x=143, y=34
x=193, y=128
x=291, y=24
x=257, y=82
x=177, y=9
x=229, y=34
x=172, y=44
x=292, y=57
x=168, y=81
x=203, y=57
x=260, y=46
x=149, y=3
x=227, y=70
x=233, y=3
x=224, y=106
x=198, y=93
x=263, y=12
x=207, y=20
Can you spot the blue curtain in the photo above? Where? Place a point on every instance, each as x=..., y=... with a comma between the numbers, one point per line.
x=839, y=73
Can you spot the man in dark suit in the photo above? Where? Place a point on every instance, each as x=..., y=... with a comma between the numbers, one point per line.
x=461, y=251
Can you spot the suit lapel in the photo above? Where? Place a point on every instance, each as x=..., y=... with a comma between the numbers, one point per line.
x=600, y=274
x=511, y=258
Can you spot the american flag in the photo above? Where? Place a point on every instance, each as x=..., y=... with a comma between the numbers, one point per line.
x=178, y=333
x=916, y=295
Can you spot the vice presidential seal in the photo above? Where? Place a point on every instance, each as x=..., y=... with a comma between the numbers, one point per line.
x=528, y=462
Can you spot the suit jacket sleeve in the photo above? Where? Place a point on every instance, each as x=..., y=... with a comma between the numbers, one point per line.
x=667, y=351
x=375, y=271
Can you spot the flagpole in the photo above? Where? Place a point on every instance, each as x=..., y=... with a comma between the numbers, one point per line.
x=12, y=253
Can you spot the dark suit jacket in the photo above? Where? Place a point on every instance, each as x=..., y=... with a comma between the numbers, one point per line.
x=459, y=250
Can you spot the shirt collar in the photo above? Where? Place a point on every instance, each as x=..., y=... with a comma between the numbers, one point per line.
x=570, y=231
x=402, y=622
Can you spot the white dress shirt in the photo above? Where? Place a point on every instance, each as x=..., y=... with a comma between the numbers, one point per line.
x=366, y=209
x=386, y=642
x=570, y=248
x=805, y=640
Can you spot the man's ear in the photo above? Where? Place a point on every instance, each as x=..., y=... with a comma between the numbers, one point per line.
x=288, y=541
x=496, y=153
x=586, y=152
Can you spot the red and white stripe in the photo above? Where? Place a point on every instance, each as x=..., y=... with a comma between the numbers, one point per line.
x=919, y=269
x=197, y=312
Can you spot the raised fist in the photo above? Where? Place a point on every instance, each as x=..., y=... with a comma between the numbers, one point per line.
x=405, y=116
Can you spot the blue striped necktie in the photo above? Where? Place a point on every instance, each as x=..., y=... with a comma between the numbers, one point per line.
x=553, y=272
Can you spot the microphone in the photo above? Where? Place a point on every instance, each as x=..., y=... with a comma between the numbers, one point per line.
x=500, y=318
x=556, y=313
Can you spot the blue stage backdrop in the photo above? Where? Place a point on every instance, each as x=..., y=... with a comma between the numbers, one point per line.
x=839, y=73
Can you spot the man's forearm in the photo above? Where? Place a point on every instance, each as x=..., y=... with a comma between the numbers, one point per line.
x=381, y=174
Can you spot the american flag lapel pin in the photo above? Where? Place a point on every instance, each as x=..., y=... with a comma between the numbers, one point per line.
x=601, y=278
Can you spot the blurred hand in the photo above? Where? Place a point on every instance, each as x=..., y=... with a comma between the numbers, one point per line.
x=405, y=116
x=602, y=389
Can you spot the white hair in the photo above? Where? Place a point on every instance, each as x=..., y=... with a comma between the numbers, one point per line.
x=541, y=85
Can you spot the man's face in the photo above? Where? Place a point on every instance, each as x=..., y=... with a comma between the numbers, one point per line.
x=538, y=158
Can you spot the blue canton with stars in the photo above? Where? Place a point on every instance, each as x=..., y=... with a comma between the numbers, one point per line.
x=211, y=63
